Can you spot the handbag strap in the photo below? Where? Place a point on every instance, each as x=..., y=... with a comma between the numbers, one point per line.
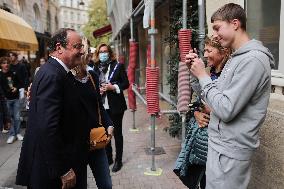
x=99, y=112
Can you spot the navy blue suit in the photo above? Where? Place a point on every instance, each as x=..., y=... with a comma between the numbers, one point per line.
x=57, y=136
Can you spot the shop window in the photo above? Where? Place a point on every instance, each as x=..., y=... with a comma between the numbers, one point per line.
x=263, y=23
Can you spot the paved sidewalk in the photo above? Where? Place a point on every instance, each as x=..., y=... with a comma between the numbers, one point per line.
x=135, y=160
x=9, y=157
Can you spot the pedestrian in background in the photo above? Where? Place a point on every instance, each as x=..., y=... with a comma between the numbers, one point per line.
x=4, y=114
x=55, y=150
x=238, y=99
x=11, y=85
x=20, y=70
x=27, y=64
x=113, y=81
x=41, y=62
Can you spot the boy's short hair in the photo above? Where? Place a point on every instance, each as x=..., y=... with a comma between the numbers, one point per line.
x=229, y=12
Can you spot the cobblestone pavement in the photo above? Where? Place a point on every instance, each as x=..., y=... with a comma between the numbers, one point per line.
x=135, y=160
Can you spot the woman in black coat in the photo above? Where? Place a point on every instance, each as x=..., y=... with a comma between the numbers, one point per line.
x=113, y=81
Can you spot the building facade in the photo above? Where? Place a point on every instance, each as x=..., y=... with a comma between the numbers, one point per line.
x=42, y=15
x=73, y=14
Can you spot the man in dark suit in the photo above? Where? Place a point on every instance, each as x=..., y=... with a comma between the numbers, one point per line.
x=55, y=148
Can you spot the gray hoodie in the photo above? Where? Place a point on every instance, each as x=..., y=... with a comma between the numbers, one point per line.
x=238, y=100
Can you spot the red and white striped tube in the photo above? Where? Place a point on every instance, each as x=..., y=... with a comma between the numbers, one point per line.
x=184, y=36
x=184, y=92
x=152, y=93
x=131, y=74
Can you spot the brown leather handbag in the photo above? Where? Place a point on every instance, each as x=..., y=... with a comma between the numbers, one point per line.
x=98, y=136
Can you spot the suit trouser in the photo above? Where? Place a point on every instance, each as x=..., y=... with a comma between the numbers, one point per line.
x=223, y=172
x=99, y=165
x=118, y=137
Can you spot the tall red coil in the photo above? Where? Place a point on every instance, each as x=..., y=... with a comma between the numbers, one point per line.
x=133, y=49
x=184, y=92
x=152, y=94
x=184, y=36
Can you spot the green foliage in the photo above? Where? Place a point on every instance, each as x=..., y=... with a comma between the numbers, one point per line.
x=172, y=40
x=97, y=19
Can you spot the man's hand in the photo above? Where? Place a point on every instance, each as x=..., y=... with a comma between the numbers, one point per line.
x=202, y=119
x=68, y=180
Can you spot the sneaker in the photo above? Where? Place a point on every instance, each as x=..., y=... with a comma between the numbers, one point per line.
x=11, y=139
x=20, y=137
x=4, y=131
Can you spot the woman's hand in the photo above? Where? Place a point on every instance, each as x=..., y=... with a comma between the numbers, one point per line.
x=108, y=87
x=29, y=92
x=102, y=90
x=110, y=131
x=202, y=119
x=206, y=109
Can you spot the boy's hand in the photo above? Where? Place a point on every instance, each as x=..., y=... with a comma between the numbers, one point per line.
x=198, y=68
x=189, y=58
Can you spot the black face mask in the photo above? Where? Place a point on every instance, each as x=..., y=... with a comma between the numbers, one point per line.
x=104, y=66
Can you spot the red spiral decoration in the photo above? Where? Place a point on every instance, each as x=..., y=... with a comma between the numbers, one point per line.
x=152, y=94
x=131, y=74
x=184, y=36
x=184, y=92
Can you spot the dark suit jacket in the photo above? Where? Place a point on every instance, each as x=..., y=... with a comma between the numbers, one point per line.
x=57, y=136
x=117, y=103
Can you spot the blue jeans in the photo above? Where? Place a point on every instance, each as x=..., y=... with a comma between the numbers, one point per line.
x=99, y=165
x=14, y=110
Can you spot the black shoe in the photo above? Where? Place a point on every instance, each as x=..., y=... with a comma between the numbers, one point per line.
x=110, y=161
x=117, y=166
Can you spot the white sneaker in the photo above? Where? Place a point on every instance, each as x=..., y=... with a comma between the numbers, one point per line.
x=11, y=139
x=20, y=137
x=4, y=131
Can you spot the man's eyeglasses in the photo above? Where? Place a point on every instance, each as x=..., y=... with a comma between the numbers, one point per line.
x=78, y=46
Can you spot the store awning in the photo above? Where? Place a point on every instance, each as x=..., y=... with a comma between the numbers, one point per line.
x=119, y=12
x=16, y=34
x=101, y=31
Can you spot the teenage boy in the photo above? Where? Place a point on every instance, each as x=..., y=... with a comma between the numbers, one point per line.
x=238, y=99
